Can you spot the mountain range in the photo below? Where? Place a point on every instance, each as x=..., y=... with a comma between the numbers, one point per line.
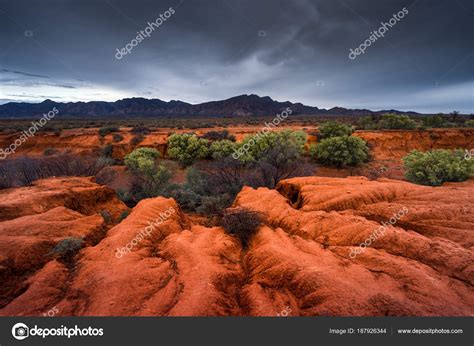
x=243, y=105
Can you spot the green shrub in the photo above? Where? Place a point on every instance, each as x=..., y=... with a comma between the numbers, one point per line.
x=242, y=223
x=106, y=216
x=334, y=129
x=436, y=167
x=434, y=121
x=253, y=148
x=117, y=137
x=187, y=148
x=219, y=135
x=67, y=248
x=223, y=148
x=103, y=131
x=469, y=123
x=142, y=160
x=141, y=130
x=107, y=150
x=368, y=123
x=342, y=151
x=394, y=122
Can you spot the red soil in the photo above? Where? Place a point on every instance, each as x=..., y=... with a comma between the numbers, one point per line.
x=385, y=145
x=300, y=258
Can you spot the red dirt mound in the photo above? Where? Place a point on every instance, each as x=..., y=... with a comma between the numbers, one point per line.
x=305, y=259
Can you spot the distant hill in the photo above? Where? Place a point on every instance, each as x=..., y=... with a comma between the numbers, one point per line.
x=243, y=105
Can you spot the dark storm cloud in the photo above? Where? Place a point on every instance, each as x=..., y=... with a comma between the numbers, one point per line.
x=290, y=50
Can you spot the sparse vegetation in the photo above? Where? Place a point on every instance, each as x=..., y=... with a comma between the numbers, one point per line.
x=437, y=167
x=334, y=129
x=396, y=122
x=142, y=160
x=67, y=248
x=106, y=216
x=219, y=136
x=24, y=170
x=342, y=151
x=117, y=137
x=222, y=148
x=187, y=148
x=150, y=178
x=242, y=223
x=104, y=131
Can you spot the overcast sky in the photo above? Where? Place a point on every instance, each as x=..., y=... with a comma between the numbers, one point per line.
x=296, y=50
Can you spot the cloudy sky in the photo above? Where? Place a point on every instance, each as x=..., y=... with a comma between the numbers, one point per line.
x=296, y=50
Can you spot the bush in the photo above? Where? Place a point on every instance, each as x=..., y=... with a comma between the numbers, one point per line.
x=106, y=216
x=103, y=131
x=334, y=129
x=368, y=123
x=253, y=148
x=212, y=186
x=282, y=161
x=140, y=130
x=219, y=135
x=117, y=138
x=223, y=148
x=187, y=148
x=137, y=139
x=242, y=223
x=67, y=248
x=24, y=170
x=342, y=151
x=107, y=151
x=142, y=160
x=149, y=178
x=433, y=121
x=436, y=167
x=395, y=122
x=469, y=123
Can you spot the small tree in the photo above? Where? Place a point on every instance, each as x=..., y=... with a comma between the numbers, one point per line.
x=187, y=148
x=436, y=167
x=454, y=116
x=150, y=179
x=334, y=129
x=368, y=123
x=142, y=160
x=394, y=122
x=434, y=121
x=342, y=151
x=254, y=147
x=223, y=148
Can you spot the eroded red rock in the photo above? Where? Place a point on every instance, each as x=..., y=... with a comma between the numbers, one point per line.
x=298, y=263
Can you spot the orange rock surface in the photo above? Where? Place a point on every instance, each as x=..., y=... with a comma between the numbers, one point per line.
x=299, y=261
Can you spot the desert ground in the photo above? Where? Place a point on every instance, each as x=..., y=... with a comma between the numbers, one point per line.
x=156, y=258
